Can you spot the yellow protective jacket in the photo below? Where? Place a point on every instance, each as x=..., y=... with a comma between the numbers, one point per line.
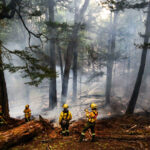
x=92, y=116
x=65, y=116
x=27, y=113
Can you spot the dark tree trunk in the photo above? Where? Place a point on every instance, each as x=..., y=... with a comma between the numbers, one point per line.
x=3, y=89
x=52, y=84
x=68, y=62
x=75, y=59
x=146, y=75
x=75, y=73
x=70, y=50
x=134, y=97
x=110, y=59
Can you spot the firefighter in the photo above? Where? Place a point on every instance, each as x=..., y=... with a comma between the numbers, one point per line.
x=64, y=119
x=27, y=113
x=91, y=116
x=2, y=120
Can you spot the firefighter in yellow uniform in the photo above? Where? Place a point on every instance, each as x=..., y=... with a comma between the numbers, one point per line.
x=64, y=119
x=27, y=113
x=2, y=120
x=92, y=116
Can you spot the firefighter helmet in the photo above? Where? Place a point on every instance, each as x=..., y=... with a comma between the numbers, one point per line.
x=27, y=106
x=65, y=106
x=93, y=106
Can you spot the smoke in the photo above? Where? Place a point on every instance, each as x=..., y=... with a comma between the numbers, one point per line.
x=95, y=36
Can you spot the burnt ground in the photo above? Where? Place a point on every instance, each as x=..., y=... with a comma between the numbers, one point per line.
x=116, y=133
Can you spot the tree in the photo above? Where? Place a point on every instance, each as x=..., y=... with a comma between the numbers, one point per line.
x=52, y=58
x=110, y=58
x=75, y=62
x=134, y=97
x=3, y=89
x=31, y=66
x=116, y=6
x=5, y=12
x=70, y=49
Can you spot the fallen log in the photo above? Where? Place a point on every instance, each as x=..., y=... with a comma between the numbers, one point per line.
x=47, y=124
x=20, y=134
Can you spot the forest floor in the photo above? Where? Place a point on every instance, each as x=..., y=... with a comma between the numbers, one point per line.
x=115, y=133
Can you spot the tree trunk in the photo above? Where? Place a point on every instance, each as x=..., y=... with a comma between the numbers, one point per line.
x=75, y=73
x=110, y=59
x=75, y=60
x=134, y=97
x=3, y=89
x=68, y=62
x=70, y=50
x=20, y=134
x=52, y=84
x=146, y=75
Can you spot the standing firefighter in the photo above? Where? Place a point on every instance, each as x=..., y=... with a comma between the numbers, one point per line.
x=2, y=120
x=27, y=113
x=64, y=119
x=91, y=122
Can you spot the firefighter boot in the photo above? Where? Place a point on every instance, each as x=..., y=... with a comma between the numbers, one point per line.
x=64, y=133
x=1, y=121
x=67, y=132
x=81, y=138
x=93, y=138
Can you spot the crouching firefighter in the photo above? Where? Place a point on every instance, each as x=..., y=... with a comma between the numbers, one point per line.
x=91, y=116
x=27, y=113
x=64, y=119
x=2, y=120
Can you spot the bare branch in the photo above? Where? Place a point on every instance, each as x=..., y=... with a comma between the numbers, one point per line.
x=29, y=32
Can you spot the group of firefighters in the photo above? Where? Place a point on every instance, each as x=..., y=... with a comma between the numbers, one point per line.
x=65, y=118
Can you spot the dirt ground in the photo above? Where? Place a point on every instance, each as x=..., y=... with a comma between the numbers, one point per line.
x=116, y=133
